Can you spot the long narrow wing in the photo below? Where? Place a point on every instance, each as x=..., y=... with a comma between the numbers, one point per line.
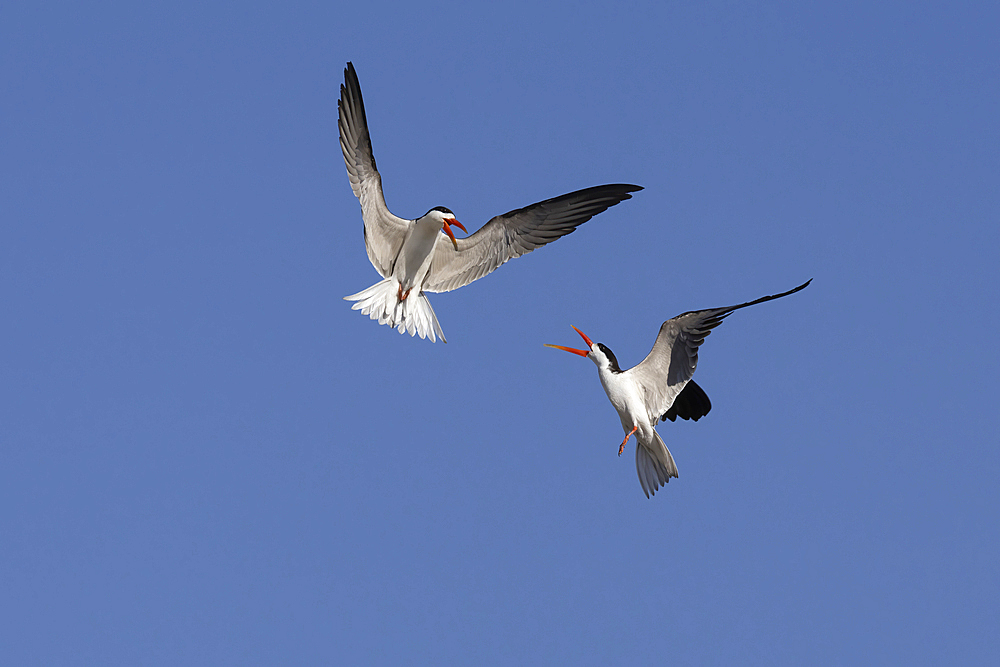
x=384, y=232
x=516, y=233
x=671, y=363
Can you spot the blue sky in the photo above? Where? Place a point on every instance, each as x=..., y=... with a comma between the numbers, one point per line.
x=210, y=459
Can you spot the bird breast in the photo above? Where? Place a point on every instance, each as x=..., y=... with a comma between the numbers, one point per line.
x=623, y=394
x=415, y=256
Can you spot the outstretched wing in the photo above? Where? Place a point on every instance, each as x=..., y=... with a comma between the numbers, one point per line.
x=516, y=233
x=384, y=232
x=672, y=361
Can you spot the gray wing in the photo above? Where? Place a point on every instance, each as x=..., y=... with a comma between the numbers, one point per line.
x=384, y=232
x=671, y=363
x=516, y=233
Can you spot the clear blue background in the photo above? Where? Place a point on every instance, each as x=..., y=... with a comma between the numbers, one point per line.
x=208, y=458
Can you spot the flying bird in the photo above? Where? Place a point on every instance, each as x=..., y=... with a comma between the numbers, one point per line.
x=423, y=255
x=660, y=386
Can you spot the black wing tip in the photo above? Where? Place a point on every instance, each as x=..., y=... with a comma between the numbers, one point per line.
x=587, y=203
x=778, y=296
x=350, y=79
x=692, y=403
x=623, y=189
x=600, y=196
x=619, y=189
x=629, y=189
x=726, y=311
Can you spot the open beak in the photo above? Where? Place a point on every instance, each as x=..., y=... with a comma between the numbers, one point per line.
x=448, y=222
x=582, y=353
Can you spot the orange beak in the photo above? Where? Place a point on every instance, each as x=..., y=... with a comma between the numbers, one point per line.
x=582, y=353
x=448, y=222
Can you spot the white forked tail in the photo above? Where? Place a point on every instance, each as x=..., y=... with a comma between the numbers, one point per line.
x=413, y=315
x=654, y=464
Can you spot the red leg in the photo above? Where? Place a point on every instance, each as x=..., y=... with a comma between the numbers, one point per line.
x=622, y=448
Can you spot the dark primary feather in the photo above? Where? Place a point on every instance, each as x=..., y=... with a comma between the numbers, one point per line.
x=692, y=403
x=353, y=122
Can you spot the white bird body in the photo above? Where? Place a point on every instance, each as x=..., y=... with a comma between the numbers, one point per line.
x=660, y=386
x=653, y=460
x=414, y=257
x=417, y=253
x=389, y=301
x=623, y=394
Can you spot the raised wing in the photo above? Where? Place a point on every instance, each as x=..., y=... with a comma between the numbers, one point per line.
x=516, y=233
x=384, y=232
x=666, y=370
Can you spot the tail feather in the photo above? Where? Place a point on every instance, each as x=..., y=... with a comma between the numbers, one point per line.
x=414, y=315
x=654, y=464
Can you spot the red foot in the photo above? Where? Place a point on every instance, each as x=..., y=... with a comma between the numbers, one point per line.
x=399, y=293
x=622, y=448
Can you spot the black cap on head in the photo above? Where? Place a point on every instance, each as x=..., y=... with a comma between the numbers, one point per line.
x=611, y=357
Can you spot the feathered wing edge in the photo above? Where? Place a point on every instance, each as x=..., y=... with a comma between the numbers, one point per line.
x=413, y=316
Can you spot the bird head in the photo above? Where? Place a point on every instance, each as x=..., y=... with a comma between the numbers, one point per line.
x=599, y=353
x=447, y=219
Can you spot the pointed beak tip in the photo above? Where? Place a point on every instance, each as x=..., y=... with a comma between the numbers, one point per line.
x=446, y=225
x=451, y=235
x=587, y=340
x=582, y=353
